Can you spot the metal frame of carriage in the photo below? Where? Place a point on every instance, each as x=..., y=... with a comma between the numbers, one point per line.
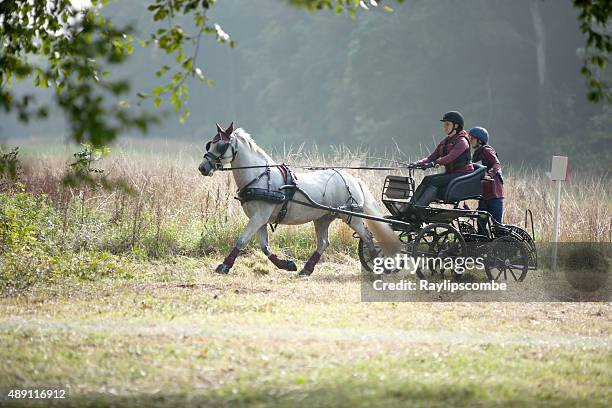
x=508, y=251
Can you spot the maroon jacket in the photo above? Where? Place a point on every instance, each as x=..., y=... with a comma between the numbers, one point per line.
x=453, y=153
x=493, y=184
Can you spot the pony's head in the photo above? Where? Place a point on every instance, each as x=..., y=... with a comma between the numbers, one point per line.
x=220, y=150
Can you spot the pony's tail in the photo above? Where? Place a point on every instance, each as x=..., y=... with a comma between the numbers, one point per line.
x=383, y=234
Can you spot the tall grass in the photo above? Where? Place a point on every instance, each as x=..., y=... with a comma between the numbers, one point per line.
x=173, y=210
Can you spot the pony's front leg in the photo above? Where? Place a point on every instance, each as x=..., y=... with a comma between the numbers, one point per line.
x=252, y=227
x=285, y=264
x=321, y=229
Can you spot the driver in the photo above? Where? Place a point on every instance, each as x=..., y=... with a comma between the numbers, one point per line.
x=453, y=153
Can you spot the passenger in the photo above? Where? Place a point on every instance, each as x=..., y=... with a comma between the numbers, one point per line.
x=493, y=185
x=453, y=153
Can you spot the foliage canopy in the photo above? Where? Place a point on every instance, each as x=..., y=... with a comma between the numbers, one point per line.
x=75, y=53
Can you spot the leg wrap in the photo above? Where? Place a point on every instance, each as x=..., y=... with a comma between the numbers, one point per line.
x=279, y=263
x=312, y=261
x=229, y=260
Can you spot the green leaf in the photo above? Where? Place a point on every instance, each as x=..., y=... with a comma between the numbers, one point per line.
x=175, y=101
x=157, y=90
x=46, y=48
x=178, y=77
x=180, y=56
x=160, y=72
x=199, y=19
x=159, y=15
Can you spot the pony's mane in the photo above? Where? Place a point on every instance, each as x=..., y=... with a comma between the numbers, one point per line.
x=248, y=140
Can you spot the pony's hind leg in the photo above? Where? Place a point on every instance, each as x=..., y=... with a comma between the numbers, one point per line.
x=322, y=231
x=285, y=264
x=357, y=225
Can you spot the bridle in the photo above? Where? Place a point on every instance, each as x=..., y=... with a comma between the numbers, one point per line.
x=225, y=143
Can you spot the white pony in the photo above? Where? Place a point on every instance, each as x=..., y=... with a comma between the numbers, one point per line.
x=263, y=179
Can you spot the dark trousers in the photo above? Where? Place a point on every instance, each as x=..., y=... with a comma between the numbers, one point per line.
x=495, y=207
x=436, y=180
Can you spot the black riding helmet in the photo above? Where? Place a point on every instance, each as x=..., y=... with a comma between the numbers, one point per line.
x=454, y=117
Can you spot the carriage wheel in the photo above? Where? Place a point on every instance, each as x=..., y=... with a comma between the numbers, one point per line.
x=506, y=258
x=437, y=242
x=367, y=260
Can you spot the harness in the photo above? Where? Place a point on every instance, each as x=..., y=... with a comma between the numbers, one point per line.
x=286, y=191
x=463, y=159
x=247, y=193
x=350, y=204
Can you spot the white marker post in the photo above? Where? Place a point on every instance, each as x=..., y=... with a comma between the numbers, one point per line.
x=558, y=173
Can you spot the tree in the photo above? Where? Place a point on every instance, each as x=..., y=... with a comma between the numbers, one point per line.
x=595, y=24
x=75, y=53
x=72, y=51
x=63, y=48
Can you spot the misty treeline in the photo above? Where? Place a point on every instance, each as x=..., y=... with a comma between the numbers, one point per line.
x=383, y=80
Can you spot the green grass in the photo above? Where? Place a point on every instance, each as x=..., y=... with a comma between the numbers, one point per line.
x=175, y=333
x=151, y=370
x=113, y=298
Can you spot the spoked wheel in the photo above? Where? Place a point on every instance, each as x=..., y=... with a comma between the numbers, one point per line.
x=367, y=259
x=506, y=258
x=436, y=244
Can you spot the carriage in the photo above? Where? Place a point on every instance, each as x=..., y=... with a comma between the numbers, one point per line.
x=508, y=251
x=270, y=194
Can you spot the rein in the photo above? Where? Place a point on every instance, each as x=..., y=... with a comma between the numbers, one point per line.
x=285, y=194
x=315, y=167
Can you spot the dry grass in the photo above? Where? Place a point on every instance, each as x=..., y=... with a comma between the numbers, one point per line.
x=172, y=332
x=174, y=210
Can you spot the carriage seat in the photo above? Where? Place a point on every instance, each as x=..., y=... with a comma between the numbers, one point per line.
x=466, y=187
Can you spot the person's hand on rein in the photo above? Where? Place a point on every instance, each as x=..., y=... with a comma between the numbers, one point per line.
x=422, y=166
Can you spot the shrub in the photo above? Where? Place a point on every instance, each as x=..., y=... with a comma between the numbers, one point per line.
x=32, y=250
x=26, y=222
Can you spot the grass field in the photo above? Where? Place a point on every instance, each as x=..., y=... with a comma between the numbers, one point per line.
x=118, y=305
x=177, y=333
